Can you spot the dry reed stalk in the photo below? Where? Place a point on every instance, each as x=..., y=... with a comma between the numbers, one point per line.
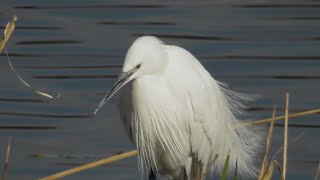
x=269, y=172
x=91, y=165
x=285, y=141
x=265, y=172
x=6, y=163
x=265, y=121
x=7, y=34
x=8, y=31
x=316, y=176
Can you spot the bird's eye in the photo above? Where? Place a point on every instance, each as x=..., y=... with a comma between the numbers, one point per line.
x=138, y=66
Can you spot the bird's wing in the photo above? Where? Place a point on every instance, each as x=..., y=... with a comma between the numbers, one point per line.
x=214, y=126
x=215, y=120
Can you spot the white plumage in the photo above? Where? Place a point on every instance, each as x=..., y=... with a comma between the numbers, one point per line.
x=178, y=116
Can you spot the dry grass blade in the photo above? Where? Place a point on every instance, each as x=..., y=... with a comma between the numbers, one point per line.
x=91, y=165
x=285, y=141
x=316, y=176
x=26, y=84
x=269, y=120
x=7, y=32
x=279, y=168
x=264, y=168
x=292, y=141
x=6, y=163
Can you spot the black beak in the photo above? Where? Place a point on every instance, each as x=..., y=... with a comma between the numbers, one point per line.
x=122, y=80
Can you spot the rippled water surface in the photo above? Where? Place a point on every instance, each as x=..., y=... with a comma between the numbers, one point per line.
x=78, y=47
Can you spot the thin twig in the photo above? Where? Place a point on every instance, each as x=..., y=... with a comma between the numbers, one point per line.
x=285, y=141
x=91, y=165
x=6, y=163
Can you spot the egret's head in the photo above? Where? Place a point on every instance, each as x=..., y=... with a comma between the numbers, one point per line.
x=146, y=56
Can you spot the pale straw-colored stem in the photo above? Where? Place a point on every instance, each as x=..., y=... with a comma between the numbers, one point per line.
x=8, y=32
x=264, y=168
x=91, y=165
x=6, y=162
x=316, y=176
x=269, y=120
x=285, y=141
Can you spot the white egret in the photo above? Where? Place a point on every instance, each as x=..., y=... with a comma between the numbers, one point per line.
x=177, y=115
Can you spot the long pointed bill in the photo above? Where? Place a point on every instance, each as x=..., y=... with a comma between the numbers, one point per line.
x=122, y=80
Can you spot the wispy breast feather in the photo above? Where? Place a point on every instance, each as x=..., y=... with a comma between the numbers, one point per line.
x=157, y=127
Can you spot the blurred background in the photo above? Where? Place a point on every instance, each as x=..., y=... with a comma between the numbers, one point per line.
x=78, y=47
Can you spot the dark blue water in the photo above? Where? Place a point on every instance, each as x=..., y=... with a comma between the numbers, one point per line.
x=77, y=48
